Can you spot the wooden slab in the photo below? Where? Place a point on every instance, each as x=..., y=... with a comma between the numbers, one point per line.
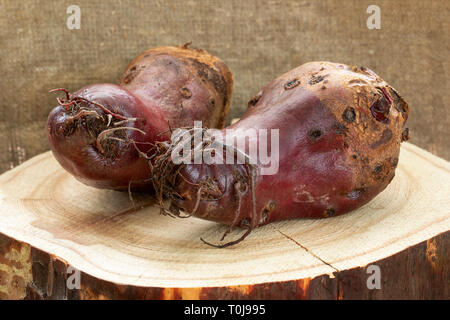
x=100, y=232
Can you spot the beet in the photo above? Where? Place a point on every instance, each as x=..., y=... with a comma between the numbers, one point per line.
x=336, y=152
x=99, y=132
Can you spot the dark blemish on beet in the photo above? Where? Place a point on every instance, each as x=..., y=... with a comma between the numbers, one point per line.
x=316, y=79
x=400, y=104
x=147, y=55
x=380, y=108
x=323, y=87
x=369, y=72
x=212, y=101
x=386, y=136
x=185, y=93
x=355, y=156
x=244, y=223
x=382, y=170
x=207, y=73
x=315, y=134
x=271, y=205
x=339, y=128
x=329, y=212
x=405, y=134
x=378, y=169
x=268, y=207
x=355, y=194
x=349, y=115
x=291, y=84
x=253, y=101
x=131, y=74
x=379, y=112
x=395, y=162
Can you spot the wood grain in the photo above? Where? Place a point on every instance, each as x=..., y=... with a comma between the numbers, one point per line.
x=100, y=233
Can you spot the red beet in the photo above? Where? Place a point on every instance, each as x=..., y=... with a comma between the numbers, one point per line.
x=340, y=130
x=95, y=133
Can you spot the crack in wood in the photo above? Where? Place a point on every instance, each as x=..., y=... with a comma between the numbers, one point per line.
x=338, y=280
x=307, y=250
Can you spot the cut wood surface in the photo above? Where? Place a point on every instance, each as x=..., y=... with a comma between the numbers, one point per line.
x=129, y=243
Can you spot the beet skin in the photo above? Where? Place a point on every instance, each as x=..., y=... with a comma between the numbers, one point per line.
x=340, y=129
x=95, y=133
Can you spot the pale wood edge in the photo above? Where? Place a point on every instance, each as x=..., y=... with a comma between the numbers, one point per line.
x=419, y=272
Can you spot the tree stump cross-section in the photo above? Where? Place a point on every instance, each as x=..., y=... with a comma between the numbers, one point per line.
x=52, y=226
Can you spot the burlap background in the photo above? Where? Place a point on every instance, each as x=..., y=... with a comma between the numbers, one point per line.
x=259, y=40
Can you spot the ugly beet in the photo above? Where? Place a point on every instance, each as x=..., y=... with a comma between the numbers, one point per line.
x=340, y=130
x=99, y=132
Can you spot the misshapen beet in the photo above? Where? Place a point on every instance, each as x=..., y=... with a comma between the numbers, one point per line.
x=96, y=132
x=340, y=130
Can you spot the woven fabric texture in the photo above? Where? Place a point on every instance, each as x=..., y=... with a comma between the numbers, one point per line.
x=259, y=40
